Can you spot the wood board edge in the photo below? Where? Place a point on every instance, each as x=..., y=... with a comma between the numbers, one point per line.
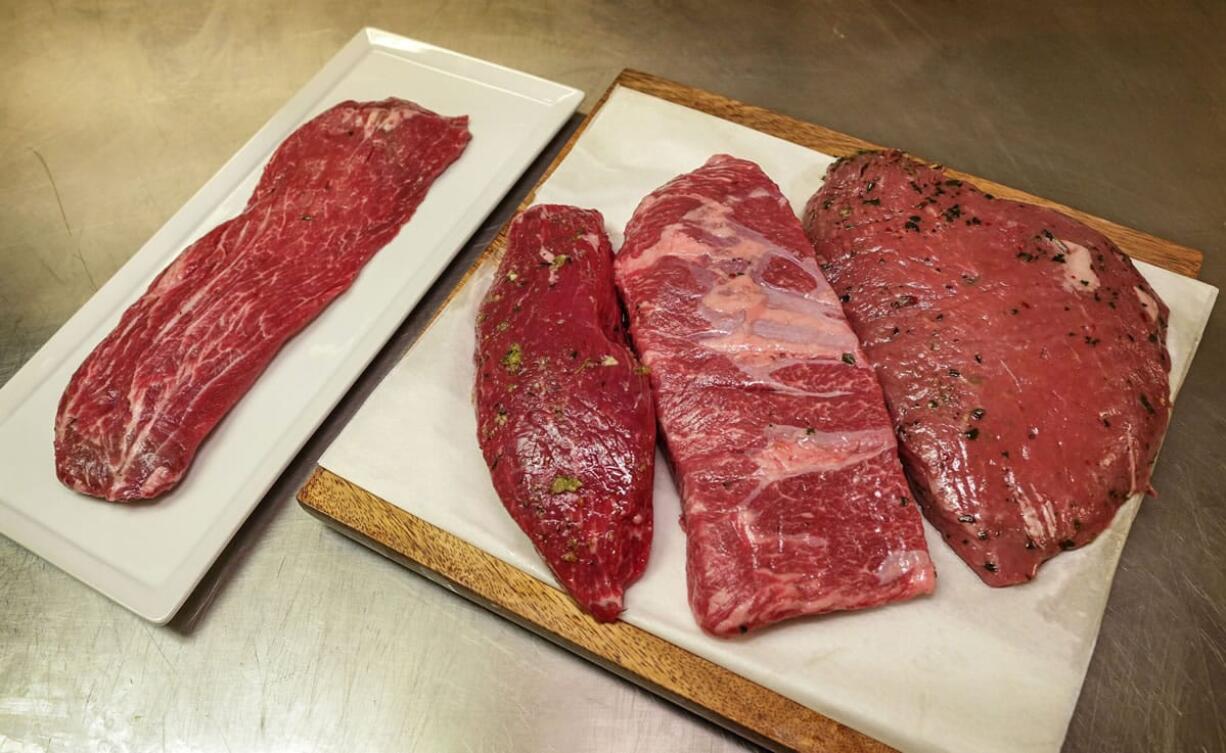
x=1163, y=253
x=674, y=673
x=641, y=657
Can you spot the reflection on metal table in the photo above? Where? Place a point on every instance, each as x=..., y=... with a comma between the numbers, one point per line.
x=112, y=116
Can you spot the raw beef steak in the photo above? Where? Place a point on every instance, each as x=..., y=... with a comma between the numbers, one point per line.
x=793, y=498
x=1023, y=357
x=564, y=414
x=335, y=192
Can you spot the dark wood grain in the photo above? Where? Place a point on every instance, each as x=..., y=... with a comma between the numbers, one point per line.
x=689, y=680
x=697, y=683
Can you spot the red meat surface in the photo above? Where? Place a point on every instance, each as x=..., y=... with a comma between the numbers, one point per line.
x=334, y=193
x=793, y=498
x=1022, y=355
x=564, y=412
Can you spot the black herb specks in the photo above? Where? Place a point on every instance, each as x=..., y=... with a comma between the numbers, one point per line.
x=903, y=501
x=955, y=373
x=989, y=566
x=849, y=359
x=953, y=213
x=1068, y=544
x=870, y=186
x=965, y=518
x=978, y=414
x=845, y=297
x=1149, y=408
x=872, y=202
x=972, y=433
x=1058, y=258
x=912, y=223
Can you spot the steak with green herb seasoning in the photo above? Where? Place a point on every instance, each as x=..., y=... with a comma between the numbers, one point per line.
x=564, y=412
x=793, y=499
x=1023, y=356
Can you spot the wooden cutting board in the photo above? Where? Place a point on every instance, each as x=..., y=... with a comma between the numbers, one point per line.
x=693, y=682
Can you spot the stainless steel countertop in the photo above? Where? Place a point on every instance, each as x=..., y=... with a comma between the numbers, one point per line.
x=112, y=114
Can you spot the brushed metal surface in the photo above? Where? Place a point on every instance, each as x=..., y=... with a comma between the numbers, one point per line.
x=113, y=113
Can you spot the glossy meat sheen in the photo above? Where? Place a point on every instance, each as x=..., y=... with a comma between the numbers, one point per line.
x=334, y=193
x=564, y=412
x=1022, y=355
x=793, y=498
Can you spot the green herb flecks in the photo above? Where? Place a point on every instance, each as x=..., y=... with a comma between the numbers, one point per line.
x=513, y=361
x=564, y=484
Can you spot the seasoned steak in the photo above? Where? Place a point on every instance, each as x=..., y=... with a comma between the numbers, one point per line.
x=793, y=498
x=334, y=193
x=564, y=412
x=1022, y=355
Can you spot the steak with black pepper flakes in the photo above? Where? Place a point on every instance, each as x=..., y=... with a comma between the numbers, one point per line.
x=1023, y=356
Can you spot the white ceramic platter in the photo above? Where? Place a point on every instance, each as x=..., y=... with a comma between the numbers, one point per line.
x=149, y=557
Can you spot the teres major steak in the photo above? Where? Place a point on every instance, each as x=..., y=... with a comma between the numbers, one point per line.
x=793, y=498
x=1022, y=355
x=564, y=411
x=334, y=193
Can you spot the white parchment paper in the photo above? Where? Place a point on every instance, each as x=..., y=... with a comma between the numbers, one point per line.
x=969, y=669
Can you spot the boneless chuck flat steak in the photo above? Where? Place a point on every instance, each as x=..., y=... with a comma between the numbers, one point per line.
x=1023, y=357
x=334, y=193
x=564, y=412
x=793, y=498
